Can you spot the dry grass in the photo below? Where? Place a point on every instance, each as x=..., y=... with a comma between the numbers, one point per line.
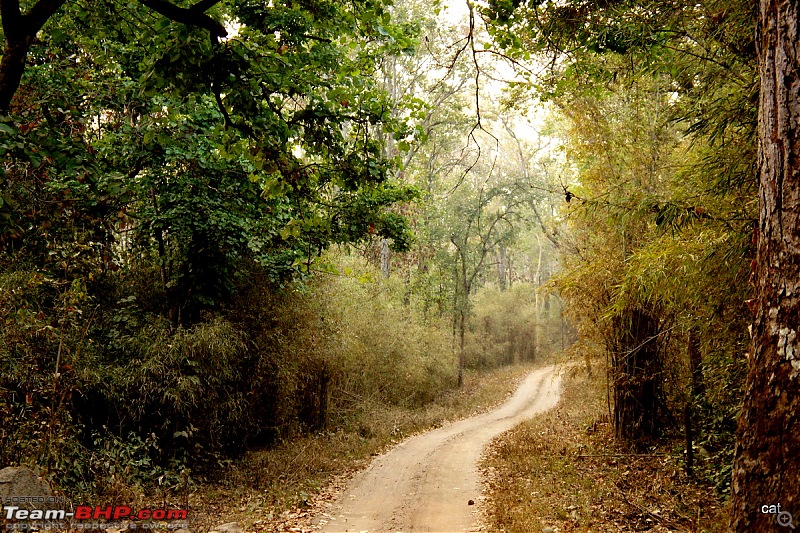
x=563, y=472
x=279, y=488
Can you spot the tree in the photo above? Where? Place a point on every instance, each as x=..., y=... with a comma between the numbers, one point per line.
x=262, y=146
x=20, y=32
x=622, y=145
x=685, y=203
x=150, y=177
x=483, y=215
x=767, y=465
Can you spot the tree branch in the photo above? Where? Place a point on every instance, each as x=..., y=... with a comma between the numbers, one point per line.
x=204, y=5
x=39, y=14
x=12, y=23
x=193, y=16
x=19, y=32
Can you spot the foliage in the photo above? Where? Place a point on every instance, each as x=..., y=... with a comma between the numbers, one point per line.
x=147, y=145
x=354, y=328
x=169, y=213
x=658, y=102
x=512, y=326
x=146, y=189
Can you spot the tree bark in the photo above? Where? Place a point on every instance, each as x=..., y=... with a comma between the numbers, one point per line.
x=767, y=463
x=386, y=258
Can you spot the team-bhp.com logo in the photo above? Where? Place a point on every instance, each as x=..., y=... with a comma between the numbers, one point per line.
x=19, y=516
x=87, y=512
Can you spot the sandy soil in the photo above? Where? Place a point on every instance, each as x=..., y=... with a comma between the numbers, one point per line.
x=431, y=482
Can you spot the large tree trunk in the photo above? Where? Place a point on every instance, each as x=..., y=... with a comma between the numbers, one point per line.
x=767, y=464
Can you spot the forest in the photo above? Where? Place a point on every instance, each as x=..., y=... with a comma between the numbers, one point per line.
x=232, y=231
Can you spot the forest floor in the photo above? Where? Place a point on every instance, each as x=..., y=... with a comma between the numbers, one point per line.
x=285, y=487
x=563, y=471
x=431, y=482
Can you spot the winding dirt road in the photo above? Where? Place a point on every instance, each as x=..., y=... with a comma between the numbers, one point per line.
x=426, y=482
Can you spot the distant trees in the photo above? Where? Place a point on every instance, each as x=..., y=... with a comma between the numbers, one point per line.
x=483, y=215
x=477, y=194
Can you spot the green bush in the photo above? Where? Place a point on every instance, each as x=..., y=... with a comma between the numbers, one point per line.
x=140, y=401
x=340, y=342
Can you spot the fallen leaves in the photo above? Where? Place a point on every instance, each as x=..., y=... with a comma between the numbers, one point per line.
x=564, y=472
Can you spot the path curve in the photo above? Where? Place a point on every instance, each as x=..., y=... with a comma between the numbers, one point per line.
x=425, y=483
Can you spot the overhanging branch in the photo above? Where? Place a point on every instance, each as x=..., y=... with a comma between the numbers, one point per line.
x=39, y=14
x=19, y=32
x=204, y=5
x=193, y=16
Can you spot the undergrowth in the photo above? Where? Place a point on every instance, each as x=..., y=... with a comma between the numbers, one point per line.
x=281, y=486
x=114, y=402
x=564, y=471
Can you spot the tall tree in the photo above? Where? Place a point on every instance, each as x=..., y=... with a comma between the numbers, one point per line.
x=767, y=465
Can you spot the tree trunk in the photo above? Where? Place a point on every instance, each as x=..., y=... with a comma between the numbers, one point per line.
x=687, y=428
x=322, y=407
x=696, y=365
x=11, y=69
x=637, y=376
x=463, y=287
x=19, y=31
x=462, y=323
x=501, y=268
x=767, y=463
x=537, y=306
x=386, y=258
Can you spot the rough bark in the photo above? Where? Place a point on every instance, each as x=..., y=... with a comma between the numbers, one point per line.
x=767, y=464
x=386, y=258
x=11, y=69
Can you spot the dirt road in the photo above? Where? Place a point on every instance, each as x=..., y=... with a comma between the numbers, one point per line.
x=426, y=483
